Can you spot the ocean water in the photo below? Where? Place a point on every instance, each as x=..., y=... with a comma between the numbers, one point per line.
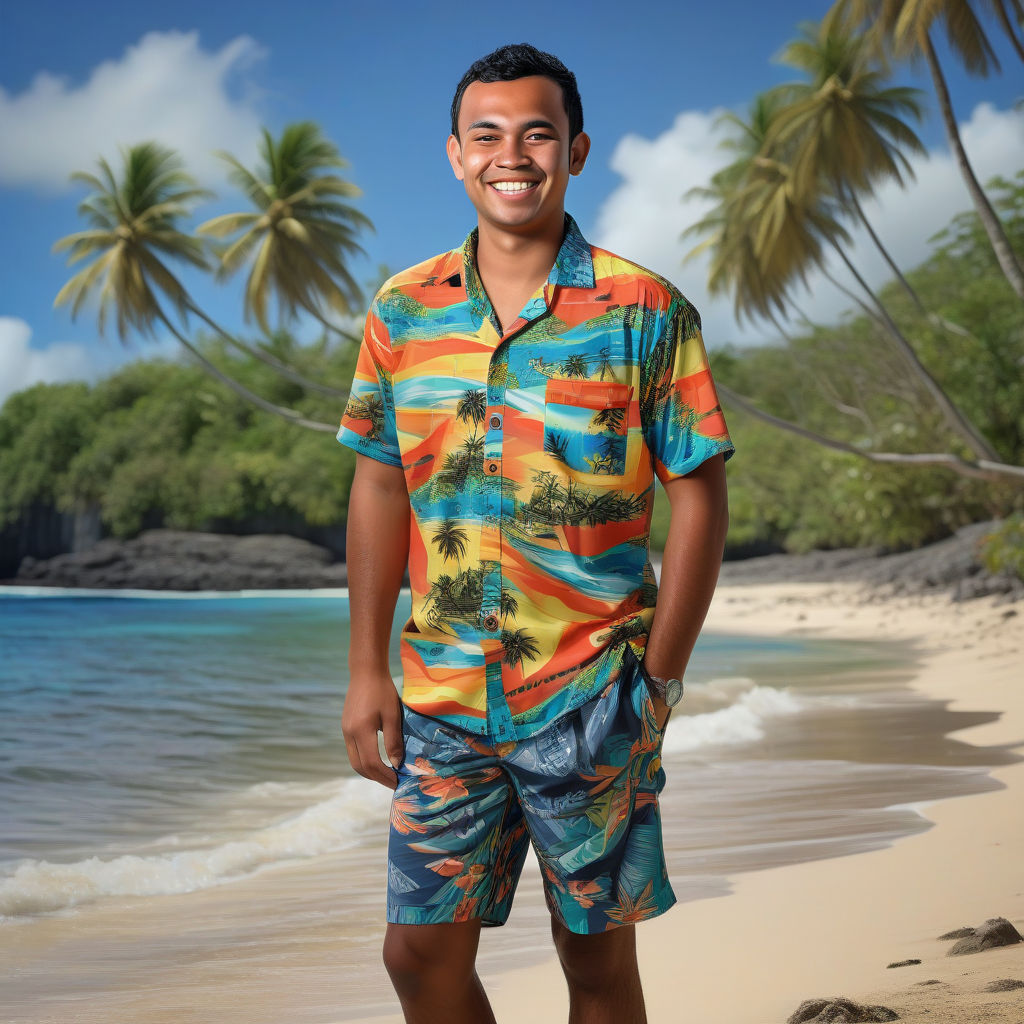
x=157, y=748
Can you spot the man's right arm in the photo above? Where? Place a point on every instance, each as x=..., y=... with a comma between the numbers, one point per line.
x=377, y=547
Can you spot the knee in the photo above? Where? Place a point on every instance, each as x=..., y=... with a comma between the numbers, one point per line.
x=415, y=955
x=592, y=962
x=406, y=956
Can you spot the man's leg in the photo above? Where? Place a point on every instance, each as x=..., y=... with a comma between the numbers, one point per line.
x=432, y=967
x=603, y=976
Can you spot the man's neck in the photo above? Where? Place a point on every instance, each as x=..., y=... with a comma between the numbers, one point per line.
x=515, y=259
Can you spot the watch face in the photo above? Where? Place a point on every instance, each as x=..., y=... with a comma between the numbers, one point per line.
x=673, y=692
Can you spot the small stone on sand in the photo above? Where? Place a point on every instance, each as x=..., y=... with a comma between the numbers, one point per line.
x=996, y=931
x=839, y=1011
x=1004, y=985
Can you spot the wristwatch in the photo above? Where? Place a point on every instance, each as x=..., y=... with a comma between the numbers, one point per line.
x=669, y=690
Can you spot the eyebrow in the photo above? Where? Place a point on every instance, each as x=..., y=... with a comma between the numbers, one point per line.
x=538, y=123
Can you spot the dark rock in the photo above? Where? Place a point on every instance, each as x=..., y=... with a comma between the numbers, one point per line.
x=1004, y=985
x=839, y=1011
x=956, y=933
x=186, y=560
x=930, y=981
x=996, y=931
x=951, y=565
x=902, y=963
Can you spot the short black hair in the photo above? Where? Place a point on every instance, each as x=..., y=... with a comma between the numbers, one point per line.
x=521, y=60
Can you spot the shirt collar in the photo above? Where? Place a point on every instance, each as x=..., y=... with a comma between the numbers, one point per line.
x=574, y=265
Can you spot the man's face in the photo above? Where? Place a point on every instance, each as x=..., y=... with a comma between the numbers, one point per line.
x=514, y=153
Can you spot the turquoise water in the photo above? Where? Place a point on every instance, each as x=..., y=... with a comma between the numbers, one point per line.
x=121, y=717
x=163, y=744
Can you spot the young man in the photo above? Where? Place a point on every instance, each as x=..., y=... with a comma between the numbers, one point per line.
x=512, y=403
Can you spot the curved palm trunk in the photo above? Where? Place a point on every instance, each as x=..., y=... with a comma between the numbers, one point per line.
x=240, y=389
x=264, y=357
x=1004, y=20
x=956, y=419
x=933, y=318
x=1005, y=255
x=854, y=297
x=850, y=196
x=984, y=469
x=335, y=329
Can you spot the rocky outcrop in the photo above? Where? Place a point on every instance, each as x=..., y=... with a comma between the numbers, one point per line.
x=185, y=560
x=950, y=565
x=41, y=531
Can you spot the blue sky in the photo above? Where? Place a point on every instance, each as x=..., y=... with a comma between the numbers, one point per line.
x=76, y=81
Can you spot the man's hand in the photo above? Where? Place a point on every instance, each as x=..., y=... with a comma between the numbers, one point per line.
x=372, y=704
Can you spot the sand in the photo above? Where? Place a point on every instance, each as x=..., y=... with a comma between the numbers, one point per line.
x=830, y=927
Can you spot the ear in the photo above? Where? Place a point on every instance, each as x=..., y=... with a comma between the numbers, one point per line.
x=578, y=152
x=454, y=149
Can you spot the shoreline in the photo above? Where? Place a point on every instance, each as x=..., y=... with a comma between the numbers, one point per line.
x=825, y=928
x=749, y=952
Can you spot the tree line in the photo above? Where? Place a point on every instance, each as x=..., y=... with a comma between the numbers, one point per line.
x=894, y=425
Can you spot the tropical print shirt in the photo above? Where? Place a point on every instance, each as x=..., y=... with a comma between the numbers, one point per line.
x=529, y=451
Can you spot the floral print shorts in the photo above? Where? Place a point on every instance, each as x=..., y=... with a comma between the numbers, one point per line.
x=584, y=791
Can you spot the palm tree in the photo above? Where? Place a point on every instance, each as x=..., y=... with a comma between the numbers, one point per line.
x=450, y=540
x=844, y=125
x=516, y=645
x=735, y=267
x=300, y=231
x=904, y=29
x=473, y=446
x=574, y=366
x=133, y=224
x=509, y=605
x=556, y=444
x=605, y=365
x=472, y=405
x=611, y=417
x=781, y=225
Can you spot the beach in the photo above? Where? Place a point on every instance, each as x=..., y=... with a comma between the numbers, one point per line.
x=829, y=850
x=830, y=927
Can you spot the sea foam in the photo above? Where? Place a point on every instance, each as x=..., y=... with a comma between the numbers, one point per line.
x=745, y=707
x=336, y=816
x=331, y=823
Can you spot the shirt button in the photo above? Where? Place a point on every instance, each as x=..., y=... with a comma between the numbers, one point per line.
x=491, y=467
x=495, y=421
x=491, y=623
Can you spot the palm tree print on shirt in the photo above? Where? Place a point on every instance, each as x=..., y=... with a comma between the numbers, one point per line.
x=472, y=405
x=451, y=540
x=457, y=598
x=518, y=644
x=575, y=366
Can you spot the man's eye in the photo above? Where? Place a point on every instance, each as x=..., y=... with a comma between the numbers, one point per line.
x=539, y=135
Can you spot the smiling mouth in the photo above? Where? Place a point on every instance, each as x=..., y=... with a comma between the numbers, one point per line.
x=512, y=187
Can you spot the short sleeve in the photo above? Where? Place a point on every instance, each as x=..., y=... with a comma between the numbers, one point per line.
x=368, y=422
x=682, y=420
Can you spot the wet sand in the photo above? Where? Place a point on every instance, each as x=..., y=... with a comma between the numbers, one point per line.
x=298, y=942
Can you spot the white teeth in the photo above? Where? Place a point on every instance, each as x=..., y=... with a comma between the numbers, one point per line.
x=513, y=186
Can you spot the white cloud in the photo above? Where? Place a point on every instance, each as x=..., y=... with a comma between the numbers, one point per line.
x=21, y=366
x=644, y=217
x=164, y=88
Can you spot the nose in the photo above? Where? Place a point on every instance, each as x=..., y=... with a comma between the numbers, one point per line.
x=513, y=153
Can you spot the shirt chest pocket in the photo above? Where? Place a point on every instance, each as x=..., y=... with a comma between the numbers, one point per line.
x=586, y=424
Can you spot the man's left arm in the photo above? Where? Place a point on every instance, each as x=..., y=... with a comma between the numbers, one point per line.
x=689, y=569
